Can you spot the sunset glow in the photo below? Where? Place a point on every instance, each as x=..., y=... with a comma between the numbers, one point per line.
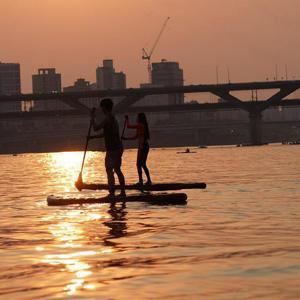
x=75, y=35
x=149, y=149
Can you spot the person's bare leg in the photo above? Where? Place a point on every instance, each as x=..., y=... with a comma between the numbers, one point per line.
x=110, y=175
x=146, y=170
x=140, y=173
x=121, y=181
x=110, y=181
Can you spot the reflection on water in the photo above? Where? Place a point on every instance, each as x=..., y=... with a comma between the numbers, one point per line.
x=69, y=235
x=65, y=167
x=72, y=264
x=117, y=225
x=67, y=161
x=239, y=239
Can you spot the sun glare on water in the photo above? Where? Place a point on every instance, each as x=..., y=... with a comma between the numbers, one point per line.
x=65, y=167
x=69, y=161
x=71, y=248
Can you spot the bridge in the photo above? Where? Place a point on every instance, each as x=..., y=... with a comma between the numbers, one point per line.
x=224, y=91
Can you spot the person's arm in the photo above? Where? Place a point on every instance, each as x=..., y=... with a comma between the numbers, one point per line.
x=131, y=126
x=98, y=127
x=139, y=132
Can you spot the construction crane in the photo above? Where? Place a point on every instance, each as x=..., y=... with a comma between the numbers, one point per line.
x=147, y=56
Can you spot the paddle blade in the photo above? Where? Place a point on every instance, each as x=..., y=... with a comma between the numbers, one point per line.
x=79, y=182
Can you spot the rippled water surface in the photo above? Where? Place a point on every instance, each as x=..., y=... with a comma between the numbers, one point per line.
x=239, y=239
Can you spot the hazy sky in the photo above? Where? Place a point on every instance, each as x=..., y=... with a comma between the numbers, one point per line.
x=248, y=36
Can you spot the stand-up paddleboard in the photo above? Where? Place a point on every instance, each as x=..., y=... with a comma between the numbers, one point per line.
x=156, y=199
x=159, y=187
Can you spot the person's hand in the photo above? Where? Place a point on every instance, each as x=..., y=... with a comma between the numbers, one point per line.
x=126, y=117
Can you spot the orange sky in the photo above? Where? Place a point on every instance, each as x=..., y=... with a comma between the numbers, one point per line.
x=248, y=36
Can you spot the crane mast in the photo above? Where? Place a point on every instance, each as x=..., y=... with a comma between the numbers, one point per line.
x=147, y=56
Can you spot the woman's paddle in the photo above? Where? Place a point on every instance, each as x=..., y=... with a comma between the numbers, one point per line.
x=79, y=181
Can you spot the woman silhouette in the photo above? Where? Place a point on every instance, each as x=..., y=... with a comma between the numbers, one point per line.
x=143, y=136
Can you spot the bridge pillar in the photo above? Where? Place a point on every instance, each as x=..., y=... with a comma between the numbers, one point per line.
x=255, y=127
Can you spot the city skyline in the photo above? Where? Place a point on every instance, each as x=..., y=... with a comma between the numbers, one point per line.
x=198, y=36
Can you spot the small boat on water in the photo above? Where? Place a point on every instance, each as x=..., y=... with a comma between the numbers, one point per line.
x=187, y=151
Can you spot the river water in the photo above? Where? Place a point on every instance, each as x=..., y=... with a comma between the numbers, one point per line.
x=238, y=239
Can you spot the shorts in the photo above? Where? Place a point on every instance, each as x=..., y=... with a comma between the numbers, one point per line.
x=113, y=159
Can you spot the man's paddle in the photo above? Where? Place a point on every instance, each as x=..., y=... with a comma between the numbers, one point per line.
x=125, y=125
x=79, y=181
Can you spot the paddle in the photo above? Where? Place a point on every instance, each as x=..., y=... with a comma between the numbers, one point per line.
x=124, y=127
x=79, y=181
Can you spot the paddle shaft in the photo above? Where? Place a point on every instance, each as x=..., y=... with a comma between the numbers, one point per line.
x=86, y=146
x=124, y=127
x=87, y=143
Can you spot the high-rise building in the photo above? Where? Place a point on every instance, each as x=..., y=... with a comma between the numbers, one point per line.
x=45, y=82
x=10, y=84
x=168, y=73
x=108, y=78
x=81, y=85
x=119, y=80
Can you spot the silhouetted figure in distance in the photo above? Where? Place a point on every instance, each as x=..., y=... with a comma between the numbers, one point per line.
x=143, y=136
x=113, y=146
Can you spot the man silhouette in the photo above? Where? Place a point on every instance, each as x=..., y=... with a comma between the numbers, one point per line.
x=113, y=146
